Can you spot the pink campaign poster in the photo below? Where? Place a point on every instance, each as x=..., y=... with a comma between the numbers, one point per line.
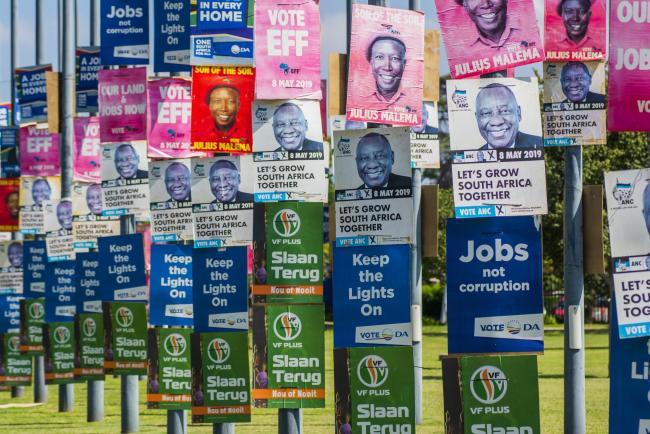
x=487, y=36
x=122, y=104
x=629, y=62
x=575, y=30
x=39, y=151
x=169, y=118
x=386, y=66
x=287, y=49
x=86, y=150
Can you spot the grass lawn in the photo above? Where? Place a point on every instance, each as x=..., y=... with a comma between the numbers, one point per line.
x=46, y=419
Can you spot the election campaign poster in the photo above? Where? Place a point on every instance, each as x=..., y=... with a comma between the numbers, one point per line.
x=494, y=285
x=372, y=300
x=32, y=318
x=480, y=40
x=57, y=218
x=171, y=200
x=628, y=90
x=169, y=376
x=221, y=108
x=374, y=390
x=171, y=45
x=31, y=94
x=88, y=223
x=171, y=285
x=11, y=267
x=89, y=348
x=287, y=49
x=15, y=367
x=425, y=145
x=221, y=379
x=373, y=193
x=340, y=123
x=575, y=30
x=88, y=65
x=89, y=294
x=9, y=145
x=289, y=157
x=168, y=118
x=221, y=32
x=124, y=30
x=60, y=291
x=288, y=253
x=222, y=201
x=34, y=259
x=491, y=394
x=59, y=344
x=9, y=197
x=497, y=166
x=288, y=356
x=34, y=192
x=125, y=178
x=6, y=114
x=123, y=104
x=86, y=150
x=220, y=289
x=39, y=151
x=574, y=103
x=386, y=67
x=125, y=338
x=121, y=268
x=10, y=312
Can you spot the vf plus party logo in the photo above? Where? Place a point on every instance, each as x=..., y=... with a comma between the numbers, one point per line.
x=218, y=350
x=124, y=317
x=61, y=335
x=287, y=326
x=89, y=327
x=13, y=344
x=36, y=311
x=488, y=384
x=286, y=223
x=175, y=344
x=372, y=371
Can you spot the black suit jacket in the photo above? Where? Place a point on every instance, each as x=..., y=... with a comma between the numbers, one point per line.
x=394, y=181
x=522, y=140
x=239, y=197
x=591, y=97
x=307, y=145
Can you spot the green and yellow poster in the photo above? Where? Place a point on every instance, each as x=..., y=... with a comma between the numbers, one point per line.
x=32, y=318
x=58, y=339
x=89, y=346
x=170, y=369
x=15, y=368
x=125, y=338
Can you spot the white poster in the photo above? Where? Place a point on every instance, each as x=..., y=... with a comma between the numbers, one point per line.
x=34, y=192
x=58, y=229
x=11, y=267
x=425, y=145
x=170, y=183
x=125, y=178
x=88, y=223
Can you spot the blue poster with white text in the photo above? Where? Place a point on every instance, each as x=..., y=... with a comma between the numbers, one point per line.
x=121, y=268
x=125, y=32
x=31, y=94
x=60, y=291
x=171, y=285
x=34, y=259
x=10, y=313
x=89, y=299
x=88, y=65
x=172, y=36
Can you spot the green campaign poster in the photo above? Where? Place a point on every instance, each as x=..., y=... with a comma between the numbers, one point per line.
x=89, y=329
x=500, y=394
x=15, y=368
x=375, y=390
x=170, y=369
x=221, y=378
x=32, y=318
x=125, y=337
x=289, y=356
x=58, y=339
x=293, y=258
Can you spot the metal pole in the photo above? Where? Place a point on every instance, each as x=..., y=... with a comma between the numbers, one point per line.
x=94, y=23
x=383, y=3
x=290, y=421
x=40, y=389
x=17, y=391
x=574, y=355
x=38, y=49
x=66, y=397
x=95, y=397
x=13, y=30
x=129, y=393
x=176, y=422
x=225, y=428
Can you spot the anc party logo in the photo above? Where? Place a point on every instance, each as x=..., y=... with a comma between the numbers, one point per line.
x=36, y=311
x=175, y=344
x=287, y=326
x=13, y=344
x=286, y=222
x=488, y=384
x=89, y=327
x=61, y=335
x=124, y=316
x=372, y=371
x=218, y=350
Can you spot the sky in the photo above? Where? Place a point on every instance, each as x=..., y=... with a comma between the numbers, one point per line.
x=332, y=33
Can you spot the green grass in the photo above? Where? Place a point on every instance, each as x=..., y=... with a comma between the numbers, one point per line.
x=46, y=419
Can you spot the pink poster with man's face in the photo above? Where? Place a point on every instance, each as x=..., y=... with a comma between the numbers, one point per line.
x=287, y=49
x=386, y=66
x=122, y=104
x=86, y=150
x=39, y=151
x=629, y=68
x=575, y=30
x=483, y=36
x=169, y=118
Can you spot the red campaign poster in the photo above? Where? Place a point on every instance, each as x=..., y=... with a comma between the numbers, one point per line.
x=9, y=206
x=575, y=30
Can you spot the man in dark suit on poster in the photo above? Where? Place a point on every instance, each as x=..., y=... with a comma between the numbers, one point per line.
x=290, y=129
x=375, y=158
x=224, y=183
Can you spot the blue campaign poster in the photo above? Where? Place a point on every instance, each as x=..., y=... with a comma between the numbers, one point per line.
x=124, y=32
x=89, y=297
x=121, y=268
x=372, y=296
x=171, y=285
x=60, y=291
x=10, y=313
x=88, y=65
x=34, y=260
x=172, y=36
x=9, y=164
x=31, y=94
x=220, y=289
x=494, y=285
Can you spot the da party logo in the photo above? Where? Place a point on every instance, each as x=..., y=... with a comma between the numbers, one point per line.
x=286, y=223
x=89, y=327
x=13, y=344
x=488, y=384
x=36, y=311
x=124, y=316
x=218, y=350
x=287, y=326
x=61, y=335
x=175, y=344
x=372, y=371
